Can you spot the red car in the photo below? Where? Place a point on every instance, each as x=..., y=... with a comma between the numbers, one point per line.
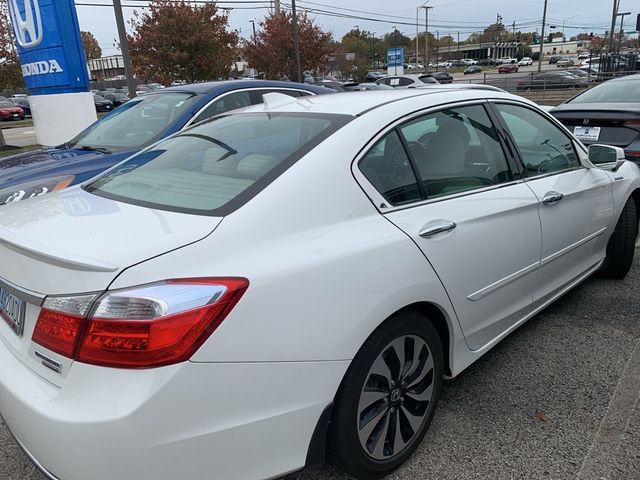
x=8, y=111
x=508, y=68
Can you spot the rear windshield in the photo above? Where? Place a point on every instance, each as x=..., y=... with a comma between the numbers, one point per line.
x=217, y=166
x=612, y=92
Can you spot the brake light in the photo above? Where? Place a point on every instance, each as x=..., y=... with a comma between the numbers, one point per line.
x=141, y=327
x=632, y=122
x=632, y=153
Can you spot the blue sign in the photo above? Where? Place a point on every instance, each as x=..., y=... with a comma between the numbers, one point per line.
x=395, y=57
x=49, y=45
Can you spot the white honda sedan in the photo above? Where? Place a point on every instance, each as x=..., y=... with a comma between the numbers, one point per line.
x=295, y=278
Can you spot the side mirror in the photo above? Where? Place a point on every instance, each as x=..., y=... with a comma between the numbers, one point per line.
x=606, y=157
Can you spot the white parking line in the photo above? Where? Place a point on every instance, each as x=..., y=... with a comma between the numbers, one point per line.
x=625, y=400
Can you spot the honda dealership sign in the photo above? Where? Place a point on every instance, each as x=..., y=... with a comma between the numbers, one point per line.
x=49, y=45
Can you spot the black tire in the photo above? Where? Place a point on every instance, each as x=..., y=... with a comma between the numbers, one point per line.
x=411, y=330
x=622, y=243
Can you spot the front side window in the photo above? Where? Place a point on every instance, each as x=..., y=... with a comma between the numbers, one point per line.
x=544, y=148
x=215, y=167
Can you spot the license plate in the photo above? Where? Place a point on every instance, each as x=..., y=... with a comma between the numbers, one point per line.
x=12, y=310
x=587, y=134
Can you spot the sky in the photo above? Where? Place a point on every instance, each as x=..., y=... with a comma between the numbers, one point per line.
x=446, y=16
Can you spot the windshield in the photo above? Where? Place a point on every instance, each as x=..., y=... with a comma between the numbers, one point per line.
x=612, y=92
x=137, y=123
x=6, y=104
x=215, y=167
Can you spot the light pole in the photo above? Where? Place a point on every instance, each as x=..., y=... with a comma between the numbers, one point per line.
x=124, y=48
x=395, y=50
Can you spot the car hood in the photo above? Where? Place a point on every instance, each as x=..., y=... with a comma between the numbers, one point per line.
x=73, y=241
x=55, y=162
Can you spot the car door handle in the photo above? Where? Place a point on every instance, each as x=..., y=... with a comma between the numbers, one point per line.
x=552, y=197
x=434, y=229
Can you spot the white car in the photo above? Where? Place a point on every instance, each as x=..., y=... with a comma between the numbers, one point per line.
x=506, y=60
x=304, y=273
x=526, y=61
x=410, y=80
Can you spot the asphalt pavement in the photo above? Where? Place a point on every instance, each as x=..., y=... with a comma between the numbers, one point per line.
x=558, y=399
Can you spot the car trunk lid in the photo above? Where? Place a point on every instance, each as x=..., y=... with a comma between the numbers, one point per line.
x=73, y=242
x=618, y=127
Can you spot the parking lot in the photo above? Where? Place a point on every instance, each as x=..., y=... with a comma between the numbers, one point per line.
x=557, y=399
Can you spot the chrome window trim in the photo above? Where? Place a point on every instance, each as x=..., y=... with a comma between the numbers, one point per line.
x=379, y=202
x=222, y=95
x=29, y=296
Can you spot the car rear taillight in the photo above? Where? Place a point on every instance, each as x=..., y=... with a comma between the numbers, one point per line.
x=634, y=123
x=141, y=327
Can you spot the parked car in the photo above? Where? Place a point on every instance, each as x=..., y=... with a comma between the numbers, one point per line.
x=507, y=60
x=441, y=77
x=488, y=62
x=472, y=69
x=508, y=68
x=607, y=113
x=232, y=300
x=102, y=104
x=469, y=61
x=116, y=98
x=554, y=59
x=137, y=124
x=407, y=81
x=526, y=61
x=10, y=111
x=373, y=76
x=23, y=103
x=584, y=55
x=564, y=62
x=552, y=80
x=353, y=87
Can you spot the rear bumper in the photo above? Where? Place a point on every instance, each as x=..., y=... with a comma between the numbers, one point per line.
x=187, y=421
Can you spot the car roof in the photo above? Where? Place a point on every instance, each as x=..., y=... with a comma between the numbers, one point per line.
x=225, y=85
x=358, y=103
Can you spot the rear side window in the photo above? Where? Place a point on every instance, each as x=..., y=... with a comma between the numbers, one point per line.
x=215, y=167
x=389, y=170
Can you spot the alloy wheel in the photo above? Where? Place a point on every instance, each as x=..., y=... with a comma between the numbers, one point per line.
x=395, y=398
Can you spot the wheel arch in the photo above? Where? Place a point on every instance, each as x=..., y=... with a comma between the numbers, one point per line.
x=439, y=321
x=317, y=451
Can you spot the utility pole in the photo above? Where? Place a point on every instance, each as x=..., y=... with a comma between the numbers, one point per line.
x=544, y=20
x=296, y=39
x=255, y=39
x=616, y=4
x=277, y=3
x=124, y=48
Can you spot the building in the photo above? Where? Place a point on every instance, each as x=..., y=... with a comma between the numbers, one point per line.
x=106, y=67
x=558, y=46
